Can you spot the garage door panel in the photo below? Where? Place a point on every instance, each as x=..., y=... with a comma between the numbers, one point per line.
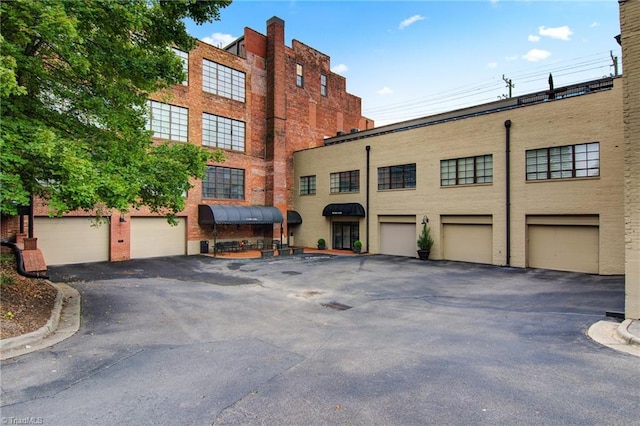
x=398, y=239
x=155, y=237
x=564, y=248
x=468, y=243
x=68, y=240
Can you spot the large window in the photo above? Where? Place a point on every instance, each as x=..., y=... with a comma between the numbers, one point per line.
x=307, y=185
x=562, y=162
x=345, y=181
x=397, y=177
x=184, y=56
x=223, y=182
x=466, y=171
x=223, y=81
x=167, y=121
x=299, y=76
x=222, y=132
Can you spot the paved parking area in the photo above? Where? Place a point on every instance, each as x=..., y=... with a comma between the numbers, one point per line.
x=198, y=340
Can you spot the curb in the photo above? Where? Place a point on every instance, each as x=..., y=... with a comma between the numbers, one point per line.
x=624, y=334
x=63, y=323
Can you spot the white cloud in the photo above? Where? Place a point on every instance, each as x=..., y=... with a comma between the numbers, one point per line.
x=534, y=38
x=492, y=65
x=409, y=21
x=535, y=55
x=560, y=33
x=219, y=39
x=385, y=91
x=340, y=69
x=595, y=24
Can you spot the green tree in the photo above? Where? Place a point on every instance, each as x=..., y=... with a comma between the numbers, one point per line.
x=75, y=77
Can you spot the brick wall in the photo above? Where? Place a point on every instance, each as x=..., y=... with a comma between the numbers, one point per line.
x=630, y=36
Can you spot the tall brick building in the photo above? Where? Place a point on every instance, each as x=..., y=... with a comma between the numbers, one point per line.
x=259, y=101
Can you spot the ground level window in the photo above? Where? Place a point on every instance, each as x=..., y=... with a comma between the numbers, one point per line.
x=344, y=235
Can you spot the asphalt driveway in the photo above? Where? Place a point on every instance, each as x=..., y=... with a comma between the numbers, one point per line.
x=373, y=340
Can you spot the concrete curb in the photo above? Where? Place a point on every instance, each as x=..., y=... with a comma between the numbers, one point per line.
x=63, y=323
x=624, y=334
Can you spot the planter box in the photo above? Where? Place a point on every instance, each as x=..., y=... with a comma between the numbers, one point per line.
x=266, y=253
x=297, y=250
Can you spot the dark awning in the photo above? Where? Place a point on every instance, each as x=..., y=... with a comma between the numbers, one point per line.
x=208, y=214
x=293, y=217
x=346, y=209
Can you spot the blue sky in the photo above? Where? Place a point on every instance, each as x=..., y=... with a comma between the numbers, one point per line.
x=408, y=59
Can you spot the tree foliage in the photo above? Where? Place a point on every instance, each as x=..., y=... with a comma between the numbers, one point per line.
x=75, y=77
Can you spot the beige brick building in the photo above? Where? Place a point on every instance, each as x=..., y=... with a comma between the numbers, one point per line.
x=630, y=40
x=534, y=181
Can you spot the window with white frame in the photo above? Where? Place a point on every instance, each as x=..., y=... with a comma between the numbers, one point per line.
x=222, y=132
x=223, y=81
x=467, y=171
x=168, y=121
x=563, y=162
x=184, y=57
x=223, y=182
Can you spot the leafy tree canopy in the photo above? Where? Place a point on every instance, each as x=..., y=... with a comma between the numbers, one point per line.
x=75, y=76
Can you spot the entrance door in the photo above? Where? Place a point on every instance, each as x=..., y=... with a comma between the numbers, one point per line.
x=344, y=234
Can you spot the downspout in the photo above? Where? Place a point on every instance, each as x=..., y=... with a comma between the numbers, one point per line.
x=31, y=216
x=368, y=148
x=507, y=125
x=20, y=262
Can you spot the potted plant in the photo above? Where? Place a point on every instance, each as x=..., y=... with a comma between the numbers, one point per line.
x=425, y=242
x=322, y=244
x=357, y=246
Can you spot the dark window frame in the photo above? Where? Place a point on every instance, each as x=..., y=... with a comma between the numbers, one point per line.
x=299, y=75
x=224, y=183
x=223, y=132
x=348, y=181
x=476, y=170
x=308, y=185
x=576, y=161
x=223, y=81
x=169, y=121
x=402, y=176
x=323, y=85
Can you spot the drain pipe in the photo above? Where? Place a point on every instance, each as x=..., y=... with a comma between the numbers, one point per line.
x=368, y=148
x=20, y=262
x=507, y=125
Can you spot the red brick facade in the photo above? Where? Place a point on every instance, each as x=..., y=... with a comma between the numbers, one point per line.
x=279, y=118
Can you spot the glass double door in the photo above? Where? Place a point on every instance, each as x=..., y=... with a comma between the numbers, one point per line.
x=344, y=234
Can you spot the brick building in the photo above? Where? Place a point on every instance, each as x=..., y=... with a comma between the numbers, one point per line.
x=533, y=181
x=259, y=101
x=630, y=40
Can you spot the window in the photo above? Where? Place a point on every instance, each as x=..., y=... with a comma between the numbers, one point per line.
x=222, y=81
x=307, y=185
x=345, y=181
x=299, y=76
x=167, y=121
x=184, y=56
x=466, y=171
x=323, y=84
x=223, y=182
x=570, y=161
x=397, y=177
x=222, y=132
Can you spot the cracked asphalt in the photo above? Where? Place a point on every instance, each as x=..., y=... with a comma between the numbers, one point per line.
x=199, y=341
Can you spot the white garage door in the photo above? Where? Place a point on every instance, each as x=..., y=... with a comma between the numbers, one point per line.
x=154, y=237
x=468, y=242
x=398, y=239
x=68, y=240
x=564, y=248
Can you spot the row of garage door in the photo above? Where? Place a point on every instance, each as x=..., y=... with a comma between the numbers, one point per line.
x=558, y=243
x=78, y=240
